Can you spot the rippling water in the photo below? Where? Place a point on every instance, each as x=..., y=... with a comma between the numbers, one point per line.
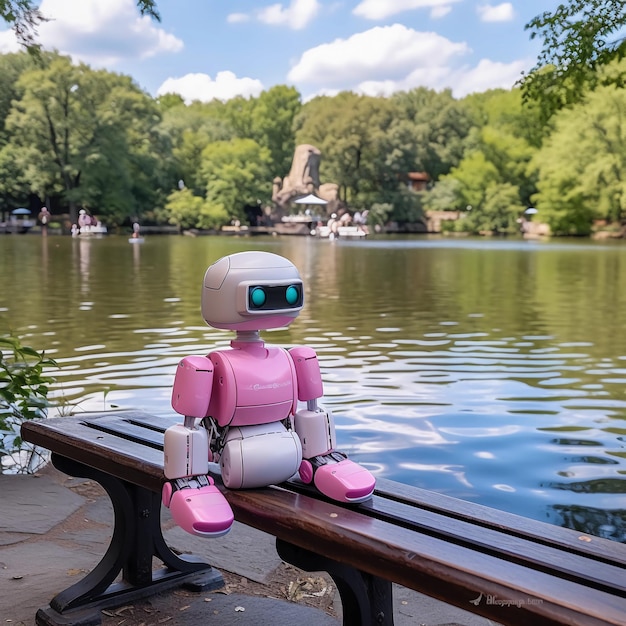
x=493, y=371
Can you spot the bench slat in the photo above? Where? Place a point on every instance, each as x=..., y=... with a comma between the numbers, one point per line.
x=139, y=433
x=420, y=562
x=441, y=546
x=104, y=451
x=545, y=558
x=538, y=532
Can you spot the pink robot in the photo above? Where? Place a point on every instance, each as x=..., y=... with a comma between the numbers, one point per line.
x=240, y=404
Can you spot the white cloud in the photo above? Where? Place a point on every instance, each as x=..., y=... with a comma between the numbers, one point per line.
x=235, y=18
x=500, y=13
x=387, y=59
x=202, y=87
x=487, y=75
x=296, y=16
x=8, y=42
x=381, y=53
x=381, y=9
x=102, y=33
x=439, y=12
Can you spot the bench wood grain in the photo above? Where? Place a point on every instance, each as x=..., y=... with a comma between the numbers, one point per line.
x=510, y=569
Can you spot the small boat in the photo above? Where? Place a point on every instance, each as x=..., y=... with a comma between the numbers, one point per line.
x=136, y=240
x=340, y=232
x=92, y=230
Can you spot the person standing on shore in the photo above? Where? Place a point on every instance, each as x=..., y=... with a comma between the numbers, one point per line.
x=44, y=218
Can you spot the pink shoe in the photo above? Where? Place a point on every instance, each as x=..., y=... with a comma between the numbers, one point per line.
x=198, y=506
x=338, y=478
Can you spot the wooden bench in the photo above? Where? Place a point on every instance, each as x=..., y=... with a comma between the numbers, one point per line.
x=505, y=567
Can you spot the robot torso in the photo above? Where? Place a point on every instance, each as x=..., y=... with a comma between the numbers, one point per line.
x=252, y=384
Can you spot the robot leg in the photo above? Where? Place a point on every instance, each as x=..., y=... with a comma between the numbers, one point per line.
x=259, y=455
x=329, y=470
x=196, y=504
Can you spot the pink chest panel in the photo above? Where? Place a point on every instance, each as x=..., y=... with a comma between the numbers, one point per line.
x=255, y=385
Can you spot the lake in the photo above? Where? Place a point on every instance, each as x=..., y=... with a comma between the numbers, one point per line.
x=489, y=370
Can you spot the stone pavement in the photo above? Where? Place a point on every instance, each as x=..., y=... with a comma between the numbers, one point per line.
x=54, y=529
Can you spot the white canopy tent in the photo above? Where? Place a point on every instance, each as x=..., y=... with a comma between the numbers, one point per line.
x=310, y=199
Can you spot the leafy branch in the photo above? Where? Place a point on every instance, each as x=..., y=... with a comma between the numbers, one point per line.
x=23, y=16
x=23, y=392
x=576, y=42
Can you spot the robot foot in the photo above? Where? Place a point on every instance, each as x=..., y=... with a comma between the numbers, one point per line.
x=338, y=478
x=198, y=506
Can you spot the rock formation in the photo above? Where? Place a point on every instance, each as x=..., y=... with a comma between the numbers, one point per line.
x=303, y=178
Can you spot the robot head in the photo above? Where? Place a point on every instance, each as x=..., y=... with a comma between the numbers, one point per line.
x=251, y=291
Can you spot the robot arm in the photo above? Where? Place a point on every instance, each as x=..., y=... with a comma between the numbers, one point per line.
x=196, y=504
x=314, y=425
x=328, y=469
x=192, y=386
x=186, y=447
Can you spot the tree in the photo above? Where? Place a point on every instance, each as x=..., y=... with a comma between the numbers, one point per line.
x=190, y=128
x=574, y=46
x=183, y=209
x=349, y=130
x=273, y=118
x=14, y=188
x=439, y=124
x=237, y=175
x=11, y=68
x=582, y=166
x=492, y=177
x=86, y=136
x=492, y=204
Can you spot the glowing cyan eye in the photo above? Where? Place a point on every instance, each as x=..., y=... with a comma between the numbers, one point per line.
x=292, y=295
x=258, y=296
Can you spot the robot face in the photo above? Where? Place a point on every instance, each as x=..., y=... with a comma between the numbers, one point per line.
x=268, y=297
x=252, y=291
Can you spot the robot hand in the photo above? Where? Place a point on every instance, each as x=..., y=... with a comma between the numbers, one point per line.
x=329, y=470
x=338, y=477
x=198, y=506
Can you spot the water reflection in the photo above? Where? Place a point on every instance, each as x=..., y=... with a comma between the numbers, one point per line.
x=490, y=371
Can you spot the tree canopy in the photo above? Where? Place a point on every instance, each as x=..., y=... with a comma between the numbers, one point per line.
x=75, y=137
x=578, y=37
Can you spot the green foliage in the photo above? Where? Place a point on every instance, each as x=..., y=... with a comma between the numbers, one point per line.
x=189, y=129
x=84, y=135
x=24, y=17
x=492, y=205
x=379, y=214
x=23, y=396
x=351, y=131
x=439, y=126
x=236, y=174
x=11, y=67
x=575, y=43
x=398, y=205
x=186, y=210
x=183, y=208
x=446, y=195
x=582, y=166
x=273, y=118
x=93, y=139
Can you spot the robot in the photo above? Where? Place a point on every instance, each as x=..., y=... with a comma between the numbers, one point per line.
x=240, y=404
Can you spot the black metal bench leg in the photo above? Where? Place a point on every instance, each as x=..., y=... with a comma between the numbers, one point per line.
x=137, y=538
x=366, y=600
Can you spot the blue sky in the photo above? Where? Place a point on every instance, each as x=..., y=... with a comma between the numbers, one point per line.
x=205, y=49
